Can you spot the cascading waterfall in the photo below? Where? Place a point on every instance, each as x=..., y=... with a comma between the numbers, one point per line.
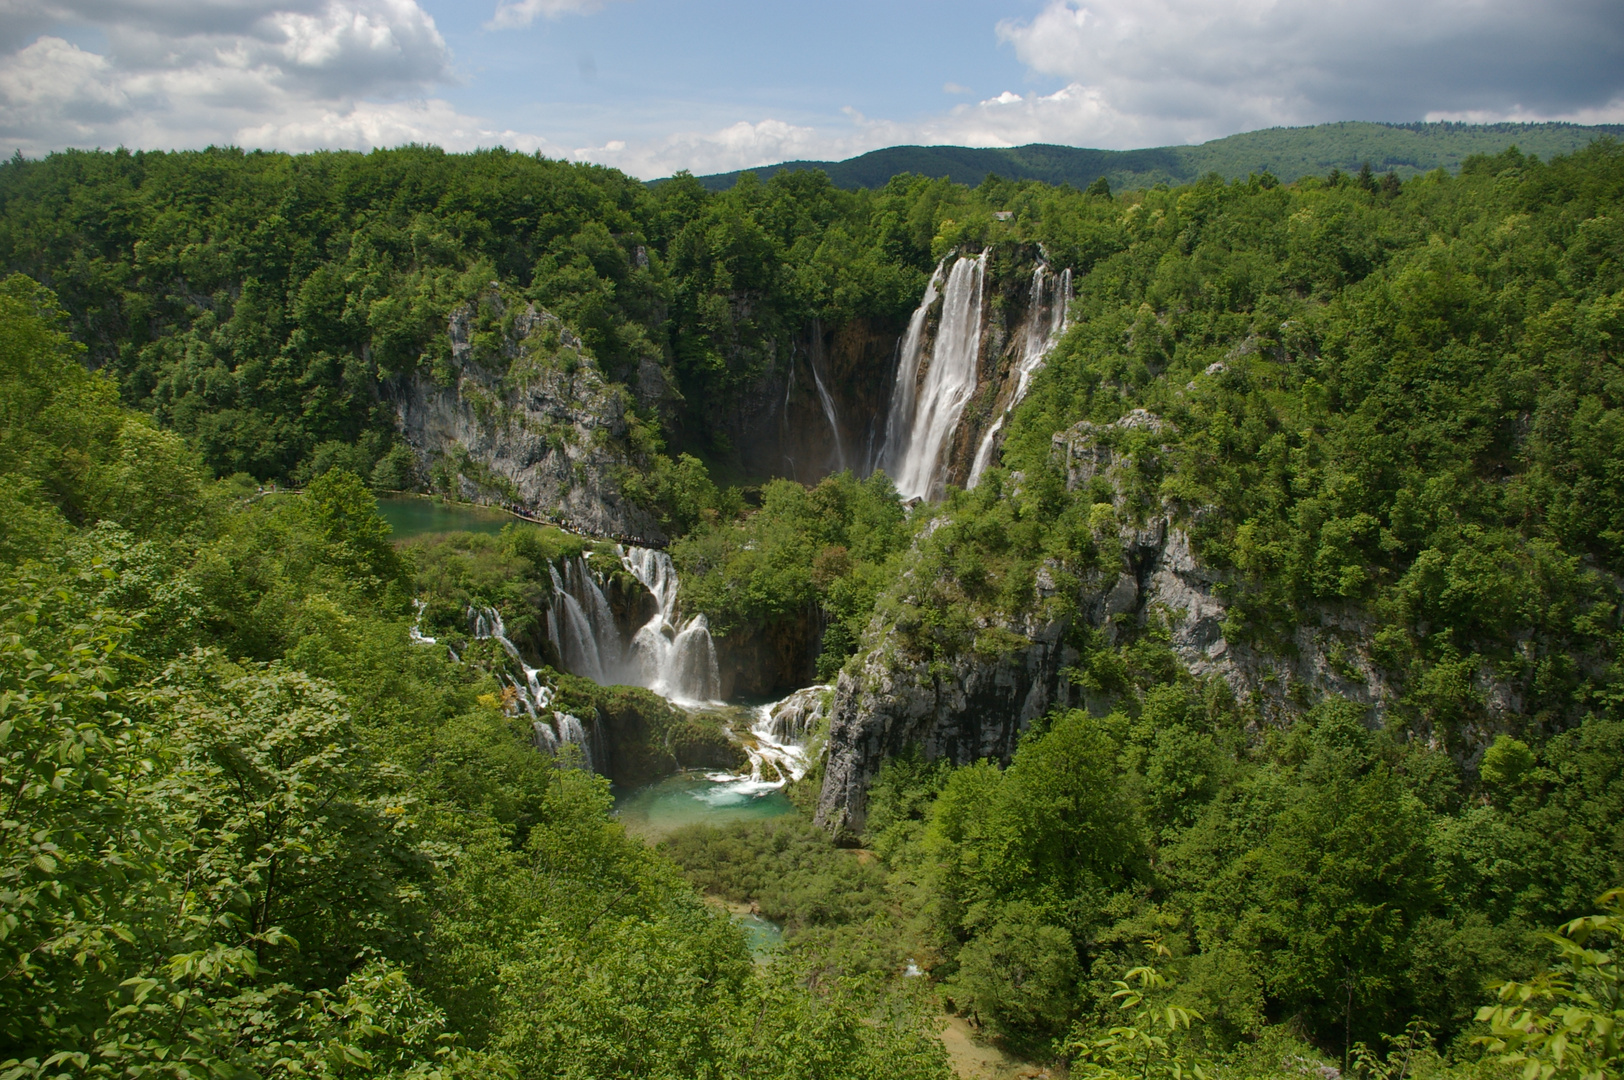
x=578, y=646
x=1045, y=322
x=534, y=695
x=823, y=393
x=780, y=752
x=414, y=633
x=673, y=658
x=923, y=420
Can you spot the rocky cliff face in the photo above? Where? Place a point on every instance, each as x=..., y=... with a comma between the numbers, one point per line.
x=521, y=416
x=820, y=407
x=978, y=705
x=771, y=661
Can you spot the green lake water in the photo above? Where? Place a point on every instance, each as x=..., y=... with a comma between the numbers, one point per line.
x=763, y=935
x=409, y=517
x=690, y=798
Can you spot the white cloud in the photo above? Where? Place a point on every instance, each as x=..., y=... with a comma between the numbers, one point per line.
x=1157, y=72
x=366, y=125
x=738, y=146
x=259, y=72
x=1187, y=70
x=525, y=12
x=1610, y=113
x=304, y=74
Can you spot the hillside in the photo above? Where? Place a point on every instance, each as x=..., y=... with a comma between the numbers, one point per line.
x=1288, y=153
x=1211, y=589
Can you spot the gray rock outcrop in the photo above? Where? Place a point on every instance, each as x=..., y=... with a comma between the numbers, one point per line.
x=521, y=416
x=977, y=705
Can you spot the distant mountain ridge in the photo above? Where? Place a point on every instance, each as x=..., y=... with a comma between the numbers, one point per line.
x=1288, y=153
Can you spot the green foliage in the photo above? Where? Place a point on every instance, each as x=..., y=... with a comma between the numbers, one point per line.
x=314, y=848
x=1506, y=762
x=829, y=546
x=68, y=452
x=1018, y=974
x=1328, y=875
x=1566, y=1023
x=788, y=868
x=1143, y=1044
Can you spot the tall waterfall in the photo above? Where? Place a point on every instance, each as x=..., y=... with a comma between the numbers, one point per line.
x=924, y=414
x=904, y=392
x=1045, y=321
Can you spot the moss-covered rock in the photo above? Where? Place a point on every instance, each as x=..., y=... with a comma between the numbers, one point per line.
x=702, y=744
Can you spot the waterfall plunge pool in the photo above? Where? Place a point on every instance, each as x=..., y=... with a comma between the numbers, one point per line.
x=696, y=797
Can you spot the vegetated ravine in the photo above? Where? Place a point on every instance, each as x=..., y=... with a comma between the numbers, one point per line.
x=1012, y=593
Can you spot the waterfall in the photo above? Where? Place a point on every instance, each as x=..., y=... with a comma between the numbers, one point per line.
x=823, y=393
x=899, y=417
x=792, y=719
x=534, y=695
x=780, y=732
x=578, y=645
x=1043, y=328
x=924, y=420
x=675, y=659
x=984, y=451
x=414, y=633
x=571, y=730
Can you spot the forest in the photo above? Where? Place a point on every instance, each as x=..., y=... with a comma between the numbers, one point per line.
x=1290, y=153
x=252, y=828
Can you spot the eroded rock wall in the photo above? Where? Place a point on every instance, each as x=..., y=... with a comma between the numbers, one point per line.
x=521, y=416
x=978, y=705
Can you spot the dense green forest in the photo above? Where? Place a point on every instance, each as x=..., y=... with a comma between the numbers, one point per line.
x=250, y=829
x=1289, y=153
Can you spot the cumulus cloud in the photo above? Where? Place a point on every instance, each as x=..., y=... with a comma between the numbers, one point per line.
x=303, y=74
x=187, y=74
x=738, y=146
x=1178, y=70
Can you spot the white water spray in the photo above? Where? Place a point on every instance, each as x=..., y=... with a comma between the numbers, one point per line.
x=779, y=755
x=923, y=420
x=904, y=391
x=550, y=730
x=674, y=658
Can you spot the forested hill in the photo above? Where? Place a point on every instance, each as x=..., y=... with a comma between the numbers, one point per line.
x=1288, y=153
x=1256, y=709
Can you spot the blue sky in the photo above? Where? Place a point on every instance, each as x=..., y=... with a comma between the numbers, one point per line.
x=653, y=62
x=652, y=86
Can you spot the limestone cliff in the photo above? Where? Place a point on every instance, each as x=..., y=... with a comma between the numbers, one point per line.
x=522, y=416
x=819, y=407
x=977, y=704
